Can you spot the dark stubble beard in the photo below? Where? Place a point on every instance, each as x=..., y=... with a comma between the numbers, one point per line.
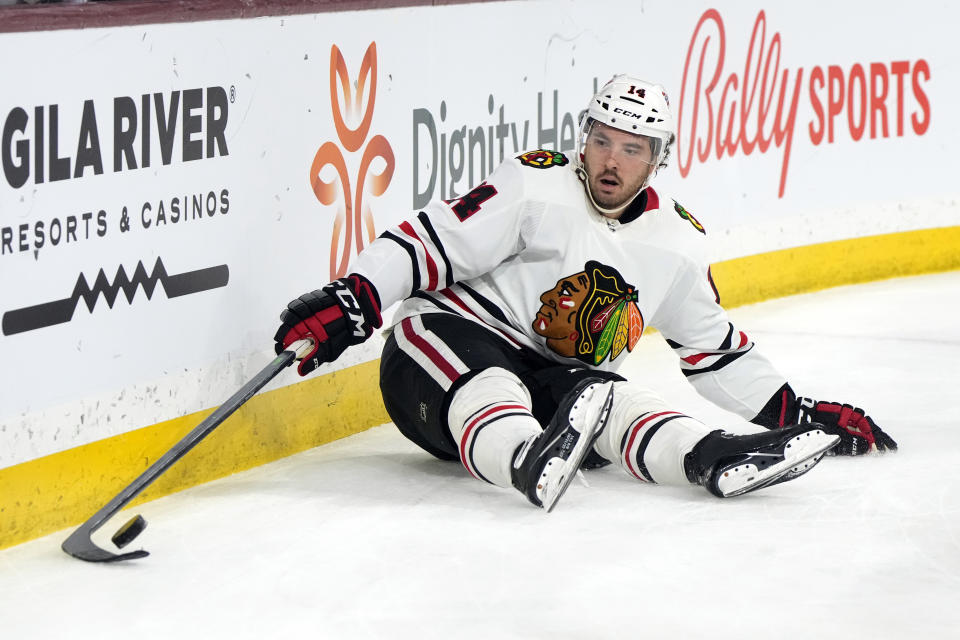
x=628, y=194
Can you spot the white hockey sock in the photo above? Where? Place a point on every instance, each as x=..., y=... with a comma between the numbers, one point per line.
x=647, y=438
x=489, y=417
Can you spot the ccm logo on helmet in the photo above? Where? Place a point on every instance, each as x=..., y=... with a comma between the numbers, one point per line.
x=629, y=114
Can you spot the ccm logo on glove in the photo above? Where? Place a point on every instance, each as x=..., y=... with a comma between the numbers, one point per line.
x=341, y=314
x=348, y=303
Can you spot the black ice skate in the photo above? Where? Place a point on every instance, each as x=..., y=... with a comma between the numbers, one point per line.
x=546, y=464
x=729, y=465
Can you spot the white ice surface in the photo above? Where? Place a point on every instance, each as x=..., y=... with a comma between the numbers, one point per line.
x=370, y=538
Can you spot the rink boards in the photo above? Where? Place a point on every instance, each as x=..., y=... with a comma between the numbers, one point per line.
x=167, y=188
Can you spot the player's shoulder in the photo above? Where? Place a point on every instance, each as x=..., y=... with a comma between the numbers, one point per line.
x=545, y=174
x=542, y=159
x=672, y=214
x=531, y=180
x=674, y=226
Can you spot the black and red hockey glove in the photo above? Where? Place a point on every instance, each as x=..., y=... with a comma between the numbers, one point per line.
x=858, y=432
x=341, y=314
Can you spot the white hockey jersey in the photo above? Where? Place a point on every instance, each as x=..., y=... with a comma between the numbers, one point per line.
x=527, y=256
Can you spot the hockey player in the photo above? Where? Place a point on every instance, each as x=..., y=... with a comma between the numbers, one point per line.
x=521, y=299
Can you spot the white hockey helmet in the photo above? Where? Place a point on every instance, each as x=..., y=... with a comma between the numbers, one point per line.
x=635, y=106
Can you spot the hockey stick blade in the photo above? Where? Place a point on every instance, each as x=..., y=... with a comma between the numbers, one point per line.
x=80, y=543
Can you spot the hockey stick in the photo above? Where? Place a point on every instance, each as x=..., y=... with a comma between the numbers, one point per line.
x=80, y=544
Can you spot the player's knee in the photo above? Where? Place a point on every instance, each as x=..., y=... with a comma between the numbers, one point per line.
x=631, y=401
x=487, y=387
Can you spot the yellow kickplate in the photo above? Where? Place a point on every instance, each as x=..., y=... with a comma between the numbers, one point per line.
x=64, y=489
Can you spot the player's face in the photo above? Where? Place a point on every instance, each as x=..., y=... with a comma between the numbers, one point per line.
x=617, y=163
x=557, y=318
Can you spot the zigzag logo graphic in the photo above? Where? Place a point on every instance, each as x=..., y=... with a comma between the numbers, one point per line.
x=48, y=314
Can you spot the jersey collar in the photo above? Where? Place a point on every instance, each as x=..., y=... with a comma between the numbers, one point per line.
x=646, y=201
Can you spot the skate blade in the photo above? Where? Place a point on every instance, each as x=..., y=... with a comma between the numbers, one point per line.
x=807, y=450
x=557, y=487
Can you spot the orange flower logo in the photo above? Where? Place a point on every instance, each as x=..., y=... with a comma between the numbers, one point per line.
x=354, y=216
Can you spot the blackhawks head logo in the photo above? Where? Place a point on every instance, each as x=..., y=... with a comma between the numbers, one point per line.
x=590, y=315
x=543, y=159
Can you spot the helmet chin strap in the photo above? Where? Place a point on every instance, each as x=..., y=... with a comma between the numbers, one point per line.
x=604, y=211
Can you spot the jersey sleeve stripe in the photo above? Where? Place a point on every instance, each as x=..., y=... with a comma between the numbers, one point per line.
x=414, y=263
x=428, y=227
x=727, y=340
x=455, y=299
x=450, y=295
x=408, y=229
x=705, y=360
x=487, y=305
x=719, y=364
x=432, y=300
x=696, y=358
x=713, y=286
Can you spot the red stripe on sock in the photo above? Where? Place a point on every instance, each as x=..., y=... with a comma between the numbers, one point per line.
x=473, y=423
x=633, y=436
